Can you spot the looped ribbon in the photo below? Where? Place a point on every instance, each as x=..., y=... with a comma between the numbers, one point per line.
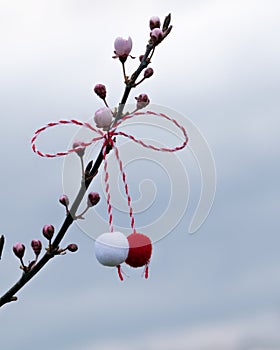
x=108, y=135
x=108, y=138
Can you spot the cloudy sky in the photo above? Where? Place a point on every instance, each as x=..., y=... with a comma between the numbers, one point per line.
x=216, y=289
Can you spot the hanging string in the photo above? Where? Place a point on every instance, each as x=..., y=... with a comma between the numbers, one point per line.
x=109, y=141
x=107, y=185
x=120, y=272
x=132, y=222
x=146, y=270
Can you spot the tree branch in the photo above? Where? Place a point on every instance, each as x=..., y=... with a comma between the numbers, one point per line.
x=91, y=171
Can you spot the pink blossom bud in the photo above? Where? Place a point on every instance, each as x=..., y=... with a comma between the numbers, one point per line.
x=93, y=199
x=100, y=91
x=154, y=22
x=156, y=35
x=103, y=117
x=142, y=101
x=72, y=247
x=148, y=72
x=141, y=58
x=36, y=246
x=123, y=46
x=80, y=148
x=48, y=231
x=19, y=249
x=64, y=200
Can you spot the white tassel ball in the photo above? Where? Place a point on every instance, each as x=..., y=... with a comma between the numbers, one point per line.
x=111, y=248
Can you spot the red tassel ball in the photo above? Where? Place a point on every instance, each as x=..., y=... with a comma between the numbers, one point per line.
x=140, y=250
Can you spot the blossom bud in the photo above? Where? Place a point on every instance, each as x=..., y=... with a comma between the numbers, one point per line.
x=100, y=91
x=64, y=200
x=36, y=246
x=48, y=231
x=19, y=249
x=148, y=72
x=103, y=117
x=156, y=35
x=142, y=101
x=122, y=48
x=72, y=247
x=154, y=22
x=80, y=149
x=93, y=199
x=141, y=58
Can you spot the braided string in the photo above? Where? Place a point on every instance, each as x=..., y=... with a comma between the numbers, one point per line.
x=142, y=143
x=132, y=222
x=112, y=133
x=108, y=139
x=107, y=185
x=64, y=122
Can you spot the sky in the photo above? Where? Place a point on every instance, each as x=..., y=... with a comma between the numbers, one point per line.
x=219, y=69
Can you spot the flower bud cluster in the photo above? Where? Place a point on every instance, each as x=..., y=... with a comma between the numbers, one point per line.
x=122, y=47
x=157, y=34
x=19, y=250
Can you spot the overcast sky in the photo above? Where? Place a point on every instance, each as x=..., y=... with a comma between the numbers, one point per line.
x=217, y=289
